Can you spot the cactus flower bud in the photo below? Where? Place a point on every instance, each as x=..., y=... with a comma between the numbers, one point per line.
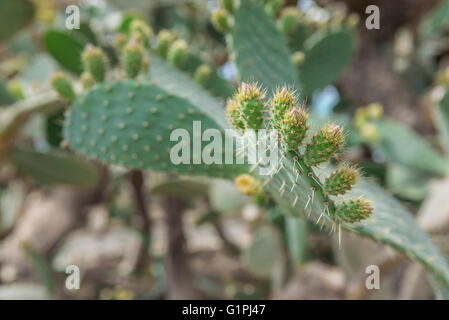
x=294, y=128
x=202, y=74
x=283, y=100
x=234, y=115
x=341, y=181
x=248, y=185
x=220, y=20
x=133, y=54
x=61, y=84
x=165, y=39
x=177, y=54
x=86, y=80
x=139, y=27
x=324, y=145
x=228, y=5
x=250, y=99
x=298, y=58
x=374, y=111
x=95, y=62
x=120, y=41
x=353, y=20
x=353, y=210
x=289, y=19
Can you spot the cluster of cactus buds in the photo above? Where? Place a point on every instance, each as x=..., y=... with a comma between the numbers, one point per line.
x=289, y=118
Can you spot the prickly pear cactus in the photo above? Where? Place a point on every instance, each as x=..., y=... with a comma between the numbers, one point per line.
x=334, y=200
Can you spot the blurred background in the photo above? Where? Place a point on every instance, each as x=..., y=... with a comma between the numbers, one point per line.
x=151, y=235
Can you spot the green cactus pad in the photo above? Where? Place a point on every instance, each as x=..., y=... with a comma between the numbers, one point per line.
x=129, y=123
x=261, y=53
x=327, y=53
x=403, y=146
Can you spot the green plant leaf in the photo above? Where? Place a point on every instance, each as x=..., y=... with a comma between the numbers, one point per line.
x=66, y=48
x=14, y=117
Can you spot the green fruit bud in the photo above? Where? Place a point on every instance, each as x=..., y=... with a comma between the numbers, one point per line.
x=353, y=20
x=294, y=129
x=234, y=114
x=202, y=74
x=273, y=6
x=283, y=100
x=228, y=5
x=120, y=41
x=132, y=58
x=324, y=145
x=250, y=99
x=220, y=20
x=248, y=185
x=353, y=211
x=165, y=40
x=289, y=19
x=298, y=58
x=95, y=62
x=341, y=181
x=61, y=84
x=142, y=31
x=87, y=80
x=177, y=54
